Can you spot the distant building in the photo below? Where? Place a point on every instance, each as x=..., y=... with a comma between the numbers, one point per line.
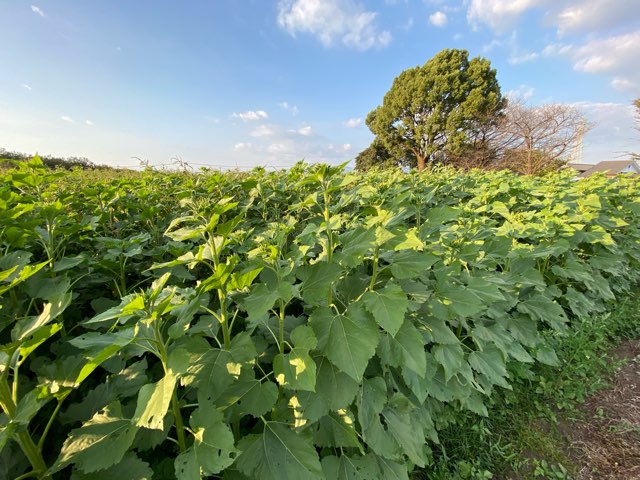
x=608, y=167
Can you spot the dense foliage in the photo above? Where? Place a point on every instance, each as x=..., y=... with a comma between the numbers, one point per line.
x=442, y=106
x=302, y=324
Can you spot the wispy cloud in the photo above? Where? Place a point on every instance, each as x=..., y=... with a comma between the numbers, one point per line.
x=26, y=87
x=352, y=122
x=522, y=57
x=524, y=92
x=333, y=21
x=89, y=123
x=438, y=19
x=290, y=108
x=242, y=146
x=66, y=119
x=37, y=10
x=251, y=116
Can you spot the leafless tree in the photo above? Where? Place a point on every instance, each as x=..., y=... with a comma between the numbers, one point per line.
x=532, y=140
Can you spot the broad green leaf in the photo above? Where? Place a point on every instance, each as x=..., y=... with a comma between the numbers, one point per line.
x=130, y=467
x=250, y=397
x=407, y=433
x=50, y=311
x=335, y=390
x=260, y=301
x=543, y=309
x=387, y=306
x=348, y=340
x=213, y=447
x=450, y=357
x=350, y=467
x=337, y=430
x=318, y=280
x=279, y=453
x=545, y=354
x=303, y=337
x=99, y=443
x=440, y=331
x=490, y=363
x=28, y=406
x=295, y=370
x=213, y=373
x=407, y=349
x=390, y=470
x=38, y=338
x=408, y=264
x=356, y=243
x=153, y=403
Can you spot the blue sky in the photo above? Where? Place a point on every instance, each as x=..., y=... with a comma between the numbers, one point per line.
x=252, y=82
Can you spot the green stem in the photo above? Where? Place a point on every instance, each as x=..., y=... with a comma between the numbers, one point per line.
x=374, y=274
x=23, y=439
x=49, y=423
x=175, y=407
x=226, y=333
x=281, y=327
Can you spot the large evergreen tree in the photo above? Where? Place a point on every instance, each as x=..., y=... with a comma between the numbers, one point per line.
x=437, y=108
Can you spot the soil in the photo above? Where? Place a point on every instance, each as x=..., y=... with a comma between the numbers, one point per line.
x=603, y=442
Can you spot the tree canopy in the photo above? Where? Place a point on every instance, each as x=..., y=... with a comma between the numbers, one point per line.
x=437, y=108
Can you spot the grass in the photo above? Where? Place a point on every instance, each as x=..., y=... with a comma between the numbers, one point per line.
x=520, y=437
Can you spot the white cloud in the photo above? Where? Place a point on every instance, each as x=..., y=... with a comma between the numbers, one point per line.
x=333, y=21
x=521, y=58
x=305, y=131
x=555, y=49
x=438, y=19
x=613, y=54
x=498, y=14
x=89, y=123
x=346, y=147
x=66, y=119
x=290, y=108
x=37, y=10
x=352, y=122
x=26, y=87
x=251, y=115
x=263, y=131
x=242, y=146
x=524, y=92
x=587, y=16
x=624, y=84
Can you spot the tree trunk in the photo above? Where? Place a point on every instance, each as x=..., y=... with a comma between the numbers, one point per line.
x=421, y=162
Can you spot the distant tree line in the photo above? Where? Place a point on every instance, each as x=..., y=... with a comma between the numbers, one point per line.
x=451, y=111
x=50, y=161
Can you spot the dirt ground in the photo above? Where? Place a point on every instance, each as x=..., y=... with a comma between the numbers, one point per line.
x=604, y=442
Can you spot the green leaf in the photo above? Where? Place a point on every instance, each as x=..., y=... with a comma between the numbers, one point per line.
x=99, y=443
x=335, y=390
x=130, y=467
x=545, y=354
x=348, y=340
x=407, y=433
x=543, y=309
x=409, y=264
x=153, y=403
x=260, y=301
x=490, y=363
x=318, y=280
x=356, y=243
x=295, y=370
x=387, y=306
x=450, y=357
x=279, y=453
x=391, y=470
x=213, y=447
x=50, y=312
x=337, y=430
x=407, y=349
x=250, y=397
x=213, y=373
x=350, y=467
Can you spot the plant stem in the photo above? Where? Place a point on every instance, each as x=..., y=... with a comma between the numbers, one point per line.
x=23, y=439
x=49, y=423
x=374, y=274
x=281, y=327
x=226, y=334
x=182, y=444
